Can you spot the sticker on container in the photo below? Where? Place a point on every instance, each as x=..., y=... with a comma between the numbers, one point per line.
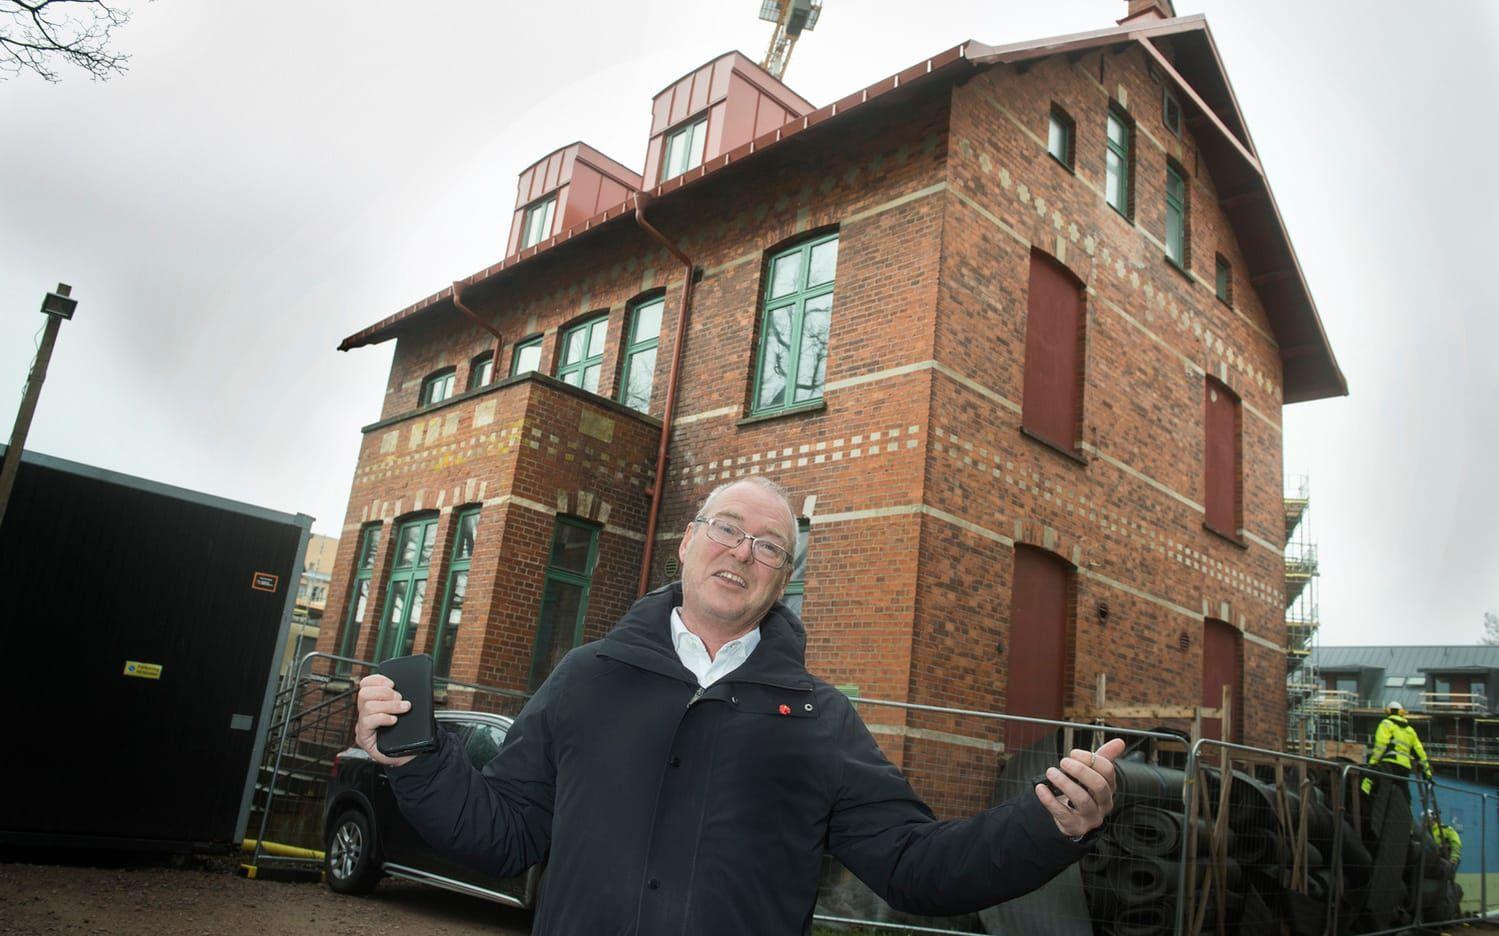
x=142, y=670
x=265, y=581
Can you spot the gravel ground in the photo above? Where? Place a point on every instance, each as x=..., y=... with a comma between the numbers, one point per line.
x=205, y=897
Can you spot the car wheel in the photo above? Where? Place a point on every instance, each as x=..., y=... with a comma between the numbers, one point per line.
x=350, y=856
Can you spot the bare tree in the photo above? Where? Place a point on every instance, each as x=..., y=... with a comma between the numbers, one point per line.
x=1490, y=628
x=35, y=35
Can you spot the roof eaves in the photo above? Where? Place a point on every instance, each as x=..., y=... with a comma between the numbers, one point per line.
x=1233, y=99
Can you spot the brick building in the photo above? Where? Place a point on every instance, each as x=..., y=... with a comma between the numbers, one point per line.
x=1015, y=326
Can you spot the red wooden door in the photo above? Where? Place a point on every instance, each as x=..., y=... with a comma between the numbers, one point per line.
x=1038, y=643
x=1221, y=667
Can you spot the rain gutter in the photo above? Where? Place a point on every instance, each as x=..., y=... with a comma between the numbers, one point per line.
x=659, y=487
x=499, y=339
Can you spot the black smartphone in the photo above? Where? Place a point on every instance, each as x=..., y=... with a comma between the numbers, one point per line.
x=415, y=732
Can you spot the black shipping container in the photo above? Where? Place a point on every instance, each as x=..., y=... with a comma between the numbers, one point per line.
x=141, y=628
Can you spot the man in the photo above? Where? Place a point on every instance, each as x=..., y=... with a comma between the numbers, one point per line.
x=685, y=774
x=1395, y=743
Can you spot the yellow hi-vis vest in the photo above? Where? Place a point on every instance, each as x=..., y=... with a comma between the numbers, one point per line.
x=1395, y=741
x=1443, y=833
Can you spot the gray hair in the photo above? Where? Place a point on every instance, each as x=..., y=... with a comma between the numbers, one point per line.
x=764, y=484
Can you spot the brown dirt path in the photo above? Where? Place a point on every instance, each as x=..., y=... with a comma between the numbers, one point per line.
x=205, y=897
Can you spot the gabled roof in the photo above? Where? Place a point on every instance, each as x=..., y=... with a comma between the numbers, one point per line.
x=1310, y=369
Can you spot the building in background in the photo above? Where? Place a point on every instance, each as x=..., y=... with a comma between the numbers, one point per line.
x=1015, y=326
x=312, y=599
x=1447, y=692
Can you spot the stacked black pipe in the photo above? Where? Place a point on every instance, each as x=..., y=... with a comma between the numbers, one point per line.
x=1131, y=877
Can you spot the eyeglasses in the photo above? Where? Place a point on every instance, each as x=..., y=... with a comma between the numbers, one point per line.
x=727, y=534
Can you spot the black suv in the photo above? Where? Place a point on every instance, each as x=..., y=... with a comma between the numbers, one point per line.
x=367, y=836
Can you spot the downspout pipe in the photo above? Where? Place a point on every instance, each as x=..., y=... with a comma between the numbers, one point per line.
x=653, y=517
x=499, y=339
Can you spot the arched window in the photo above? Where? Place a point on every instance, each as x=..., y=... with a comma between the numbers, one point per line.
x=795, y=325
x=526, y=356
x=642, y=338
x=481, y=370
x=359, y=595
x=466, y=526
x=438, y=386
x=407, y=590
x=583, y=353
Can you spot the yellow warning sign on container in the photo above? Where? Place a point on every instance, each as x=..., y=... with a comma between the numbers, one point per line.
x=143, y=670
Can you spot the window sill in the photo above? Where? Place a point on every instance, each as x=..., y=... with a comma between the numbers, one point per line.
x=1065, y=165
x=1227, y=536
x=1057, y=447
x=814, y=406
x=1178, y=267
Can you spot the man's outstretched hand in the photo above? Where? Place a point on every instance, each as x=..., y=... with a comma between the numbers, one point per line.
x=1087, y=781
x=379, y=705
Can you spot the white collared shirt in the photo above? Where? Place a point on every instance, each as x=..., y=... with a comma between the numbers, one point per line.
x=694, y=653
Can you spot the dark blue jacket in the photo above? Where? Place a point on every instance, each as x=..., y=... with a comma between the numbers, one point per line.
x=665, y=809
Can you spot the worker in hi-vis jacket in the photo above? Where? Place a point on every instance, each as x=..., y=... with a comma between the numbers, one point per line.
x=1449, y=844
x=1397, y=749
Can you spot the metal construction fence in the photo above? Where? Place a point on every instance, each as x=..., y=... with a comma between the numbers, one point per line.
x=1206, y=836
x=312, y=724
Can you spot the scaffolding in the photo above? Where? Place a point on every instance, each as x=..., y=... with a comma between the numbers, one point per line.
x=1311, y=717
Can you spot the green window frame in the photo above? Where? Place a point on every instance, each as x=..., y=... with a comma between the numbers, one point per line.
x=1223, y=280
x=438, y=386
x=1176, y=216
x=1059, y=136
x=1119, y=141
x=796, y=586
x=683, y=148
x=526, y=356
x=582, y=358
x=466, y=529
x=406, y=591
x=359, y=594
x=642, y=340
x=481, y=370
x=564, y=595
x=795, y=325
x=536, y=223
x=1171, y=111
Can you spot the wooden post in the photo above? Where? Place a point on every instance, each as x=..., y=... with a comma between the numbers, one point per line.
x=12, y=464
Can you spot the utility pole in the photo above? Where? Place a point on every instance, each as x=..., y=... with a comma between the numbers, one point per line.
x=56, y=306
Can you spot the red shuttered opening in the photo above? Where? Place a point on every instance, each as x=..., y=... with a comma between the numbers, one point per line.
x=1053, y=390
x=1222, y=665
x=1221, y=458
x=1037, y=657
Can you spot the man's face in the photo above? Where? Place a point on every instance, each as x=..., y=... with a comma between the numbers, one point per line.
x=724, y=586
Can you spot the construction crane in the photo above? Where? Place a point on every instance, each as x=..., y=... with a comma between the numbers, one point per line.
x=792, y=18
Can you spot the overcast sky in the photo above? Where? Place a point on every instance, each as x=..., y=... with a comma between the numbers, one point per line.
x=259, y=186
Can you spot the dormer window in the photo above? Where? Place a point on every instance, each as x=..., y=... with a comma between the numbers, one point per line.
x=537, y=223
x=684, y=149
